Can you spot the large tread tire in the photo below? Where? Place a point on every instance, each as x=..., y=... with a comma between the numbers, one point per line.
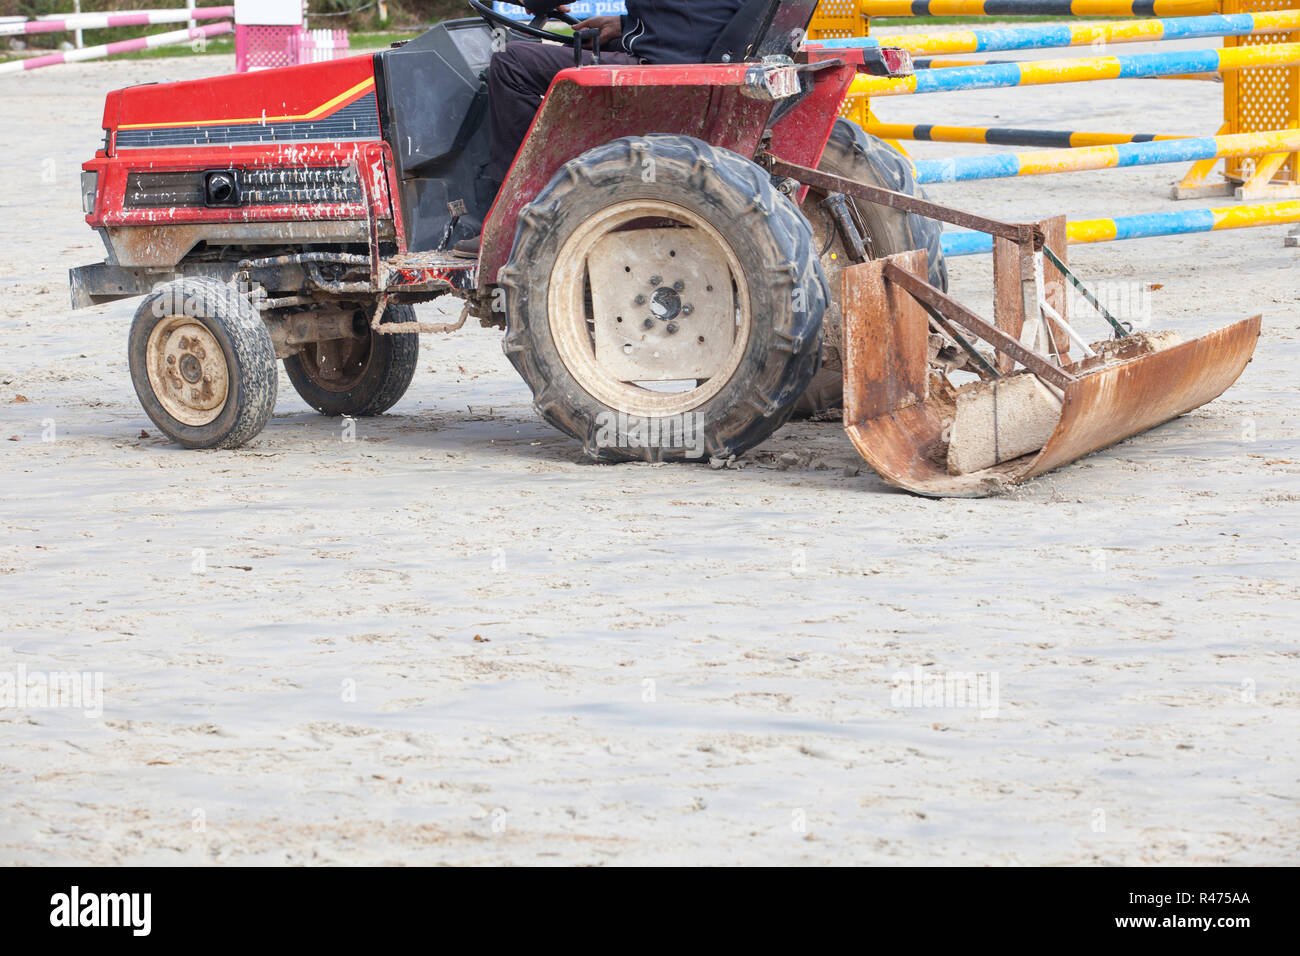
x=246, y=348
x=388, y=368
x=769, y=237
x=855, y=154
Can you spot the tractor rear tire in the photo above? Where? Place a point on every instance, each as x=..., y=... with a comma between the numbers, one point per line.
x=855, y=154
x=357, y=377
x=202, y=364
x=749, y=283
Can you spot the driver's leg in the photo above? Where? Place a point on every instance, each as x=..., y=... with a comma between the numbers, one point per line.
x=518, y=78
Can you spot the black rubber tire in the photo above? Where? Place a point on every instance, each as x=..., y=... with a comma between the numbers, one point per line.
x=771, y=241
x=855, y=154
x=245, y=344
x=389, y=367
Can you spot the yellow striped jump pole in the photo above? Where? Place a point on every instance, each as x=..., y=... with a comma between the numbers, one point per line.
x=1082, y=69
x=1037, y=8
x=1141, y=227
x=1042, y=36
x=943, y=63
x=1191, y=149
x=1007, y=136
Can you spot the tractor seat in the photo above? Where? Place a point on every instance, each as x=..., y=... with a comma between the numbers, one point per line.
x=762, y=28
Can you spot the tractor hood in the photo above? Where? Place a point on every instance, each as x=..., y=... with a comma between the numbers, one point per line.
x=292, y=156
x=314, y=103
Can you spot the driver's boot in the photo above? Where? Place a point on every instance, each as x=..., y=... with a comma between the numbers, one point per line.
x=468, y=248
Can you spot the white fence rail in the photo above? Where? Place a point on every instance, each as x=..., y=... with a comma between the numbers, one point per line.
x=99, y=21
x=121, y=46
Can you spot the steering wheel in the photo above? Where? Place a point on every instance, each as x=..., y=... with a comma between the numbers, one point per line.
x=533, y=29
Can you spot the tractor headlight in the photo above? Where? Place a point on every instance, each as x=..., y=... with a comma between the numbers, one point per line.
x=220, y=188
x=89, y=189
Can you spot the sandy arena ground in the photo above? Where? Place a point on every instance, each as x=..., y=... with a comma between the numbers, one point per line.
x=676, y=665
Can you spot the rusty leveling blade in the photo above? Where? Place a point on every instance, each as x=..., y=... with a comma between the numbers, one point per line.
x=898, y=412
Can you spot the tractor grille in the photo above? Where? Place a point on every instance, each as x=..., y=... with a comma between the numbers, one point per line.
x=154, y=190
x=275, y=187
x=256, y=187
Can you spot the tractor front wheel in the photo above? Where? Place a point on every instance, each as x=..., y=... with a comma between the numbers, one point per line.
x=202, y=364
x=663, y=301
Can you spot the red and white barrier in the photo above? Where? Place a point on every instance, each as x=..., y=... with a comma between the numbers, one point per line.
x=122, y=46
x=98, y=21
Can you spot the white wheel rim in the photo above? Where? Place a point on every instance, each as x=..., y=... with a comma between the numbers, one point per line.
x=571, y=329
x=187, y=370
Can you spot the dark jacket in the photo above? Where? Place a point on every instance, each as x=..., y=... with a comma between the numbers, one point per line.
x=675, y=31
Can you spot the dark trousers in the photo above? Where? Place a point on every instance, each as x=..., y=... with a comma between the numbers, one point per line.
x=518, y=78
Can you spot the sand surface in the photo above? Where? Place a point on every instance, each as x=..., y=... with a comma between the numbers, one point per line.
x=453, y=640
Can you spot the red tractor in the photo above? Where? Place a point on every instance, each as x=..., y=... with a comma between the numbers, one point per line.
x=663, y=292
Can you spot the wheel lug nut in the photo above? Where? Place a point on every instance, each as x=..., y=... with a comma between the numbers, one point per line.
x=655, y=280
x=687, y=309
x=679, y=285
x=639, y=300
x=672, y=327
x=648, y=323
